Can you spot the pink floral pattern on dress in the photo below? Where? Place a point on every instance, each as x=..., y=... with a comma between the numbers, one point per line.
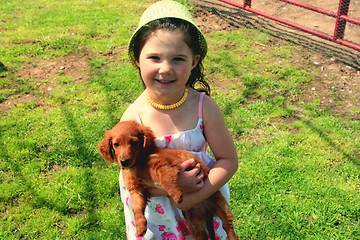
x=216, y=225
x=168, y=139
x=159, y=209
x=182, y=228
x=161, y=228
x=169, y=236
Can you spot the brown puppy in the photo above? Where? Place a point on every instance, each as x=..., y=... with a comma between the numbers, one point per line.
x=144, y=165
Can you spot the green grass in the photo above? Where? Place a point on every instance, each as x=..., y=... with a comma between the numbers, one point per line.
x=299, y=163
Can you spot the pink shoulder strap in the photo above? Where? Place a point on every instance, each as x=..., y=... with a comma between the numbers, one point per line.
x=200, y=107
x=200, y=114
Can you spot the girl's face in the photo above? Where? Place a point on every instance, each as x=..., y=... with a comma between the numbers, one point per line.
x=165, y=63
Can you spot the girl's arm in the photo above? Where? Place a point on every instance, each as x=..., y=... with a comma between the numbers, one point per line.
x=223, y=148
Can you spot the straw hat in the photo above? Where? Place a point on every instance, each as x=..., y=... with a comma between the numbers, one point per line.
x=166, y=9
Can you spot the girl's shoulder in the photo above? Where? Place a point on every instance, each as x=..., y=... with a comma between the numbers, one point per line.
x=212, y=112
x=129, y=113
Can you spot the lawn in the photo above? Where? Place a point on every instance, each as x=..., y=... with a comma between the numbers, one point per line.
x=65, y=79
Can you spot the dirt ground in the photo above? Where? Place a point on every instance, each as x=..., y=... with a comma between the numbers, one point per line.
x=339, y=84
x=301, y=16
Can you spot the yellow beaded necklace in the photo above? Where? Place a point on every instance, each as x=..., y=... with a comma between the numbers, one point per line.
x=170, y=106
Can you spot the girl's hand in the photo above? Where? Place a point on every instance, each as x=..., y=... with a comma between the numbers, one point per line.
x=191, y=178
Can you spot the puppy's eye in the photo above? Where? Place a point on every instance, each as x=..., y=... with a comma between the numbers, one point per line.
x=133, y=142
x=116, y=145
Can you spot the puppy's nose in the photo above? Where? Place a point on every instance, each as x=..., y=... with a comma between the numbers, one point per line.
x=125, y=162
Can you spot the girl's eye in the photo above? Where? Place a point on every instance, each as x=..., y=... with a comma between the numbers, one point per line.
x=178, y=59
x=154, y=57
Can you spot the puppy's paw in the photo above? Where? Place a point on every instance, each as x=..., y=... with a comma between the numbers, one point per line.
x=178, y=199
x=140, y=231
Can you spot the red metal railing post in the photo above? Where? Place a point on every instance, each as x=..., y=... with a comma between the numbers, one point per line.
x=343, y=10
x=341, y=19
x=247, y=3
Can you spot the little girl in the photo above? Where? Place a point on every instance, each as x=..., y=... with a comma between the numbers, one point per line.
x=168, y=49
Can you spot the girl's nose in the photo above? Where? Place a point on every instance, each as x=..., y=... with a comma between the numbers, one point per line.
x=165, y=67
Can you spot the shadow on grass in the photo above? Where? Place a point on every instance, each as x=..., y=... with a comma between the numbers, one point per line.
x=86, y=159
x=332, y=144
x=36, y=201
x=3, y=68
x=229, y=108
x=115, y=95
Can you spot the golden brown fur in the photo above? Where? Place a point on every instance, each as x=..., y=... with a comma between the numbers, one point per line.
x=144, y=165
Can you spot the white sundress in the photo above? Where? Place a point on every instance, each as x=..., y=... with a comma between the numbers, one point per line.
x=164, y=220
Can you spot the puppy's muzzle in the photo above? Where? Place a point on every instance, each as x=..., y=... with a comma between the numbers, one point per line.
x=125, y=163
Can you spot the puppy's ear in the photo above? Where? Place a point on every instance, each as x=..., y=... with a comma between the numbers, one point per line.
x=148, y=138
x=106, y=149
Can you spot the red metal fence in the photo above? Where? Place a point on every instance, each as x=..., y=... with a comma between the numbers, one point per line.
x=341, y=19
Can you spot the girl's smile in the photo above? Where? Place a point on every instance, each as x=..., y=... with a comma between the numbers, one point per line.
x=166, y=62
x=165, y=82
